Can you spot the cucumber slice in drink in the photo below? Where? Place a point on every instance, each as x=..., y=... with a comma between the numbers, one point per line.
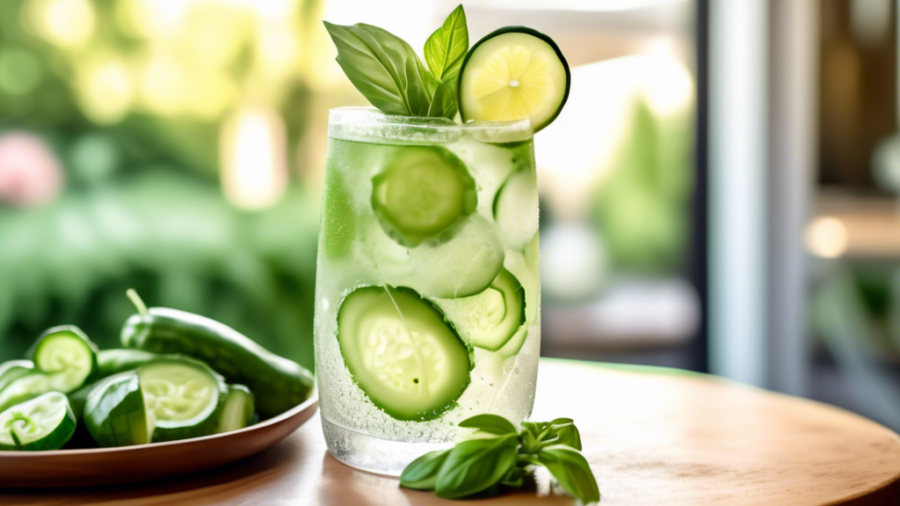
x=66, y=351
x=461, y=265
x=488, y=320
x=402, y=353
x=516, y=209
x=182, y=398
x=43, y=423
x=238, y=409
x=422, y=192
x=14, y=369
x=511, y=74
x=115, y=414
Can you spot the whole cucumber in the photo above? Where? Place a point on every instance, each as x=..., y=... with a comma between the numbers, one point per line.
x=278, y=384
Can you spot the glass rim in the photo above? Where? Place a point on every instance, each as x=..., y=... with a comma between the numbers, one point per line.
x=368, y=123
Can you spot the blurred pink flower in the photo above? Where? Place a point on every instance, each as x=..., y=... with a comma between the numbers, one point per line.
x=30, y=173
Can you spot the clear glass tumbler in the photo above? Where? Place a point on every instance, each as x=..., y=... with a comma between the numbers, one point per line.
x=427, y=291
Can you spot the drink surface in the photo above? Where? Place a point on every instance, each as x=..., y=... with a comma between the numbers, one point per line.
x=427, y=291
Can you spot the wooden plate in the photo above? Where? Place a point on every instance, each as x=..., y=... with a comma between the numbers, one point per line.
x=100, y=466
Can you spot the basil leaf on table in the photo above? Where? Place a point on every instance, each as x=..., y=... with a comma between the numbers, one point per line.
x=572, y=471
x=476, y=465
x=446, y=48
x=422, y=473
x=492, y=424
x=383, y=67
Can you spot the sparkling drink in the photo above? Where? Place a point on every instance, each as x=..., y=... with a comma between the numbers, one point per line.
x=427, y=291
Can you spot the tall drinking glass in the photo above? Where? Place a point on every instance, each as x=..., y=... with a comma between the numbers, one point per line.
x=427, y=292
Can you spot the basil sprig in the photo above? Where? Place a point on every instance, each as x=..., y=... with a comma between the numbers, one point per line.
x=505, y=459
x=387, y=71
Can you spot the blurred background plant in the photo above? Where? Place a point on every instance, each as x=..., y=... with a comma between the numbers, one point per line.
x=177, y=146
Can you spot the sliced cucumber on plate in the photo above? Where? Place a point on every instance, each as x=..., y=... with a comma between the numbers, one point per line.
x=115, y=414
x=514, y=73
x=13, y=370
x=401, y=352
x=238, y=409
x=182, y=398
x=66, y=351
x=43, y=423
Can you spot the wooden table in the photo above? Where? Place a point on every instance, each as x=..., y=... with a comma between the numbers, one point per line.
x=653, y=437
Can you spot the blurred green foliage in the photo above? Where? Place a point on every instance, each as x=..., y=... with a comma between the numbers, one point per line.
x=178, y=242
x=142, y=206
x=643, y=208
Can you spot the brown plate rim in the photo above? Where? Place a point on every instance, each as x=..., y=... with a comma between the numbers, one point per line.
x=314, y=399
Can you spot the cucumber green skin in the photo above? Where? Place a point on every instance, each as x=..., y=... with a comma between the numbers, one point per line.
x=14, y=369
x=119, y=360
x=78, y=398
x=206, y=427
x=35, y=350
x=52, y=441
x=278, y=384
x=532, y=32
x=114, y=413
x=237, y=393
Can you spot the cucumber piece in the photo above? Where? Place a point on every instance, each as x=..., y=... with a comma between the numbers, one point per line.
x=465, y=263
x=14, y=369
x=278, y=384
x=516, y=209
x=489, y=319
x=238, y=409
x=181, y=397
x=514, y=73
x=78, y=398
x=401, y=353
x=115, y=361
x=33, y=384
x=66, y=351
x=421, y=193
x=43, y=423
x=114, y=413
x=524, y=266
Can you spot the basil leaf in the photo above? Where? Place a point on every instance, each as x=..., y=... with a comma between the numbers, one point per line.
x=529, y=442
x=443, y=102
x=447, y=47
x=566, y=435
x=383, y=67
x=492, y=424
x=562, y=421
x=422, y=473
x=572, y=471
x=533, y=428
x=515, y=477
x=476, y=465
